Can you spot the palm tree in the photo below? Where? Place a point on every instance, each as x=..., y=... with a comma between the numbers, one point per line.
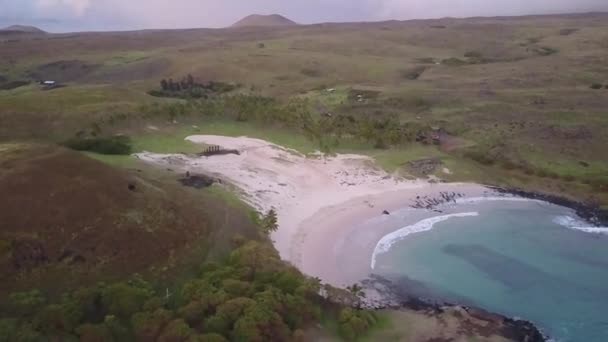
x=357, y=291
x=269, y=222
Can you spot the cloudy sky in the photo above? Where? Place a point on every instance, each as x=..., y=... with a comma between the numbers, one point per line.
x=65, y=15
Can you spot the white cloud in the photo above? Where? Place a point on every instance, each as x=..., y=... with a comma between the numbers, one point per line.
x=132, y=14
x=410, y=9
x=77, y=7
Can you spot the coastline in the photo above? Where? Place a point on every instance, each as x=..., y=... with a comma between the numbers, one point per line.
x=318, y=237
x=590, y=213
x=322, y=201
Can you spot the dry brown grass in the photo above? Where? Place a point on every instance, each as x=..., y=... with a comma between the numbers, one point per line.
x=69, y=220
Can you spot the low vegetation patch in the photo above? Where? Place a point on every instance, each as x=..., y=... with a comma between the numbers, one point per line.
x=356, y=94
x=310, y=72
x=63, y=71
x=413, y=73
x=425, y=60
x=13, y=85
x=117, y=145
x=326, y=130
x=188, y=88
x=453, y=61
x=476, y=57
x=597, y=86
x=544, y=51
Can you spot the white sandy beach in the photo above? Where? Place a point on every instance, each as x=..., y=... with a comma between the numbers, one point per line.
x=319, y=200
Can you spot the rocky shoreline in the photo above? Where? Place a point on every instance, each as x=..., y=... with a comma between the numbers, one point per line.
x=384, y=294
x=589, y=212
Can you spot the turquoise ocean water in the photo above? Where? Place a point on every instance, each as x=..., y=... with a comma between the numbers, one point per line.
x=523, y=259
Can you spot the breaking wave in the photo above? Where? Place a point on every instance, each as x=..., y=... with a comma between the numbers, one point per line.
x=576, y=224
x=472, y=200
x=387, y=241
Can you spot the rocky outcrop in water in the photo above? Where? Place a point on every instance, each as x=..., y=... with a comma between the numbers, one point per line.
x=431, y=203
x=588, y=211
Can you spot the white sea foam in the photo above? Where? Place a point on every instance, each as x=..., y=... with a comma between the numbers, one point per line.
x=385, y=244
x=577, y=224
x=472, y=200
x=566, y=221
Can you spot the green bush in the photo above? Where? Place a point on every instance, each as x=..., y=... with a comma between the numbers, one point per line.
x=213, y=338
x=354, y=323
x=8, y=329
x=116, y=145
x=596, y=86
x=26, y=303
x=251, y=296
x=545, y=51
x=454, y=62
x=124, y=300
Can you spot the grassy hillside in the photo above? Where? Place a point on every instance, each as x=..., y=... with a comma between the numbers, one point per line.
x=70, y=220
x=522, y=100
x=91, y=252
x=22, y=28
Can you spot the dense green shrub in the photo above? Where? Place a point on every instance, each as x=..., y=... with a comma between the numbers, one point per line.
x=329, y=130
x=596, y=86
x=354, y=323
x=250, y=296
x=108, y=145
x=188, y=88
x=545, y=51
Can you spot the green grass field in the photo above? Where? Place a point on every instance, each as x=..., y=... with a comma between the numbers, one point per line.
x=521, y=91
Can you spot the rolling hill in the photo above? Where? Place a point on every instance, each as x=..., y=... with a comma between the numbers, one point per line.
x=22, y=29
x=257, y=20
x=88, y=221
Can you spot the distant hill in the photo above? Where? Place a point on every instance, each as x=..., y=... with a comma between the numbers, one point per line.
x=22, y=29
x=257, y=20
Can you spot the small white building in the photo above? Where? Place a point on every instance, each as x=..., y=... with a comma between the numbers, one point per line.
x=49, y=83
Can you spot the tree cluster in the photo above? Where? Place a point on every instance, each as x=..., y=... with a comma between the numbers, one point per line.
x=189, y=88
x=329, y=131
x=250, y=296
